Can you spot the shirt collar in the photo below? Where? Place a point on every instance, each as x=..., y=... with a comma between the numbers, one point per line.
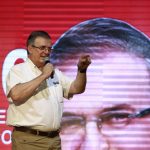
x=32, y=65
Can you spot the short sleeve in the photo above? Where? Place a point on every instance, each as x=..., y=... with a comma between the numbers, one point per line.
x=12, y=79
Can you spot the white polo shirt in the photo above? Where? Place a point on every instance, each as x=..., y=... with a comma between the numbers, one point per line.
x=43, y=111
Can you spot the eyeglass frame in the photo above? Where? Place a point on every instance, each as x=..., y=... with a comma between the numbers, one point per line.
x=138, y=114
x=43, y=48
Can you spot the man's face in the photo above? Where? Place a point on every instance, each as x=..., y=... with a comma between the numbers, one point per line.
x=104, y=116
x=39, y=51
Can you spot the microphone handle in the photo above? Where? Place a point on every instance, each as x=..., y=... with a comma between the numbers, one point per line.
x=48, y=61
x=52, y=74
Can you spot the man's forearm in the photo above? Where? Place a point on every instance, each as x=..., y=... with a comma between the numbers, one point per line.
x=22, y=92
x=79, y=84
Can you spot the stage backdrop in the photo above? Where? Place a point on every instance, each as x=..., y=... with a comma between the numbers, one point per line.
x=19, y=17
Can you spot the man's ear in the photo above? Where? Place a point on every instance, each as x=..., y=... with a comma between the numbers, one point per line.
x=30, y=48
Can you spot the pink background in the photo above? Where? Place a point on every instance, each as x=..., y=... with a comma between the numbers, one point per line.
x=19, y=17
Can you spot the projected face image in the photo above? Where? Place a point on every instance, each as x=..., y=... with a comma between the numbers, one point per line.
x=113, y=113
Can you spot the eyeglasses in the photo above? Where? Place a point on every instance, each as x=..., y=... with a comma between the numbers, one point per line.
x=108, y=120
x=43, y=48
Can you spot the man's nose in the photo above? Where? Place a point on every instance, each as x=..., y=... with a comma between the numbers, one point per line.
x=94, y=139
x=46, y=51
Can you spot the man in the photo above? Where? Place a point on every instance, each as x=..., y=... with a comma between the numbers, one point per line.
x=35, y=90
x=113, y=113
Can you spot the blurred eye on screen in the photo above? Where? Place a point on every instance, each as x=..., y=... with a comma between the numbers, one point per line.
x=72, y=124
x=115, y=119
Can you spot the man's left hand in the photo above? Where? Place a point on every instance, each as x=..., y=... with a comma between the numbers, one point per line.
x=84, y=62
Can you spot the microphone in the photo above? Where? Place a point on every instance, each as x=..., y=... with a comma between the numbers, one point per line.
x=47, y=60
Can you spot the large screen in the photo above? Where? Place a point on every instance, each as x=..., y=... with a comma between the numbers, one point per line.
x=113, y=112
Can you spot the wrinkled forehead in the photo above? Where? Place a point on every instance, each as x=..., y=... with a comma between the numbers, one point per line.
x=117, y=78
x=42, y=40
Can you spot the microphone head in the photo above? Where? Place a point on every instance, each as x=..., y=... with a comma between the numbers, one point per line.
x=46, y=60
